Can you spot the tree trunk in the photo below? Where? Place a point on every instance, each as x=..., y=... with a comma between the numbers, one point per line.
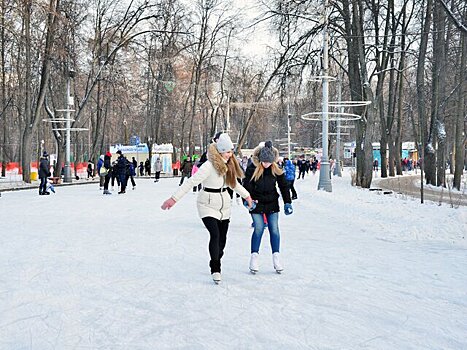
x=421, y=82
x=459, y=137
x=3, y=106
x=393, y=158
x=26, y=135
x=435, y=158
x=32, y=119
x=443, y=34
x=361, y=91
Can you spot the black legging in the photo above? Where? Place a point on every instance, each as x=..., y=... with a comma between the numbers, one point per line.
x=106, y=181
x=43, y=185
x=218, y=232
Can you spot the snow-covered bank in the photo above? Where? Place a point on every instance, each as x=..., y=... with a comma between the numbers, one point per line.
x=362, y=271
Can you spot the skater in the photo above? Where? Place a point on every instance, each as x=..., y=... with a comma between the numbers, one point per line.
x=244, y=163
x=158, y=169
x=260, y=180
x=194, y=170
x=187, y=166
x=141, y=169
x=123, y=171
x=106, y=172
x=219, y=172
x=375, y=164
x=301, y=164
x=289, y=170
x=114, y=174
x=135, y=164
x=147, y=167
x=100, y=162
x=90, y=170
x=131, y=173
x=44, y=173
x=314, y=165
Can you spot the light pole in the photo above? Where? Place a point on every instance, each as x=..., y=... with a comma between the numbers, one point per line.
x=288, y=132
x=125, y=123
x=69, y=104
x=324, y=172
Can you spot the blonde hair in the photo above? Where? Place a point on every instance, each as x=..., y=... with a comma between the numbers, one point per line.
x=260, y=170
x=234, y=171
x=231, y=170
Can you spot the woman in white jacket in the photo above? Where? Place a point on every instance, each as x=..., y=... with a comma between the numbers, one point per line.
x=219, y=172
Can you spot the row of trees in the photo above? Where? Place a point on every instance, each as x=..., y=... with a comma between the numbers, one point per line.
x=176, y=72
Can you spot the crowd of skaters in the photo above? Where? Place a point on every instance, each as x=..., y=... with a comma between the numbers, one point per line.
x=119, y=172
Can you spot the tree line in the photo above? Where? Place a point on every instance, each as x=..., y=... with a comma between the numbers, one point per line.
x=175, y=72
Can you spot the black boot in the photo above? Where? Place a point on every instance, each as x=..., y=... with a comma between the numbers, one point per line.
x=215, y=266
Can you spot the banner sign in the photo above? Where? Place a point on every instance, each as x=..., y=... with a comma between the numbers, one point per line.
x=142, y=147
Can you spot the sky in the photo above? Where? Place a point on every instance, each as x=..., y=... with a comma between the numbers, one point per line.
x=80, y=270
x=258, y=38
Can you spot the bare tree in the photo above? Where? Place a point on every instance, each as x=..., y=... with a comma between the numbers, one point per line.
x=460, y=131
x=32, y=109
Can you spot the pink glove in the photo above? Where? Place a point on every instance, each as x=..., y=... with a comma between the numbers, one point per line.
x=169, y=203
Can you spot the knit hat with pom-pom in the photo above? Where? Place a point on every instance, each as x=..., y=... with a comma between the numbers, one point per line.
x=267, y=154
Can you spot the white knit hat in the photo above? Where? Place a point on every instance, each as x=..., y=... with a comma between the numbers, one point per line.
x=224, y=143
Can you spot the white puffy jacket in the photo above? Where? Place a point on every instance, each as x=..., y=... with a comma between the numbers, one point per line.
x=213, y=204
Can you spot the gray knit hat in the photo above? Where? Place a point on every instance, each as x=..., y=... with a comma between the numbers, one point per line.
x=224, y=143
x=267, y=154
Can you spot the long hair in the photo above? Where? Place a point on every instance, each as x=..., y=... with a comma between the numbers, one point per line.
x=231, y=170
x=260, y=170
x=234, y=172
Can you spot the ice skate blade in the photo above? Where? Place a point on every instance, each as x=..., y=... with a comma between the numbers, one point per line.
x=216, y=277
x=279, y=271
x=253, y=271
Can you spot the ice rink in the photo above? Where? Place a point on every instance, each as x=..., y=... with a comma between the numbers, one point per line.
x=80, y=270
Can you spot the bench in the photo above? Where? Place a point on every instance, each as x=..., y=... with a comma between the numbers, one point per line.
x=55, y=180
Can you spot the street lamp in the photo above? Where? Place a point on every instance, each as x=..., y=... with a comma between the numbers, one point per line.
x=69, y=104
x=324, y=174
x=125, y=123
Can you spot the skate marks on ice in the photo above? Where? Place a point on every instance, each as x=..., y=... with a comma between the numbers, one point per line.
x=143, y=282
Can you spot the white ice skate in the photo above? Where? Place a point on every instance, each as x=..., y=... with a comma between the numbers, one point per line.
x=254, y=263
x=216, y=277
x=277, y=264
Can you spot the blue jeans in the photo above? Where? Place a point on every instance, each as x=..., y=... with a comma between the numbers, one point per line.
x=273, y=227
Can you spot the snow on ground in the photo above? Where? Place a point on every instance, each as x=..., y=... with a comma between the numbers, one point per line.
x=80, y=270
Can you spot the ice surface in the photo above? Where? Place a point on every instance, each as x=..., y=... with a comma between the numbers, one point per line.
x=80, y=270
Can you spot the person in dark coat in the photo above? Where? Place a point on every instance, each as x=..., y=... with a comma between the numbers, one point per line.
x=123, y=168
x=135, y=164
x=147, y=167
x=260, y=180
x=302, y=167
x=132, y=174
x=100, y=162
x=114, y=174
x=107, y=168
x=44, y=173
x=186, y=168
x=289, y=171
x=90, y=169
